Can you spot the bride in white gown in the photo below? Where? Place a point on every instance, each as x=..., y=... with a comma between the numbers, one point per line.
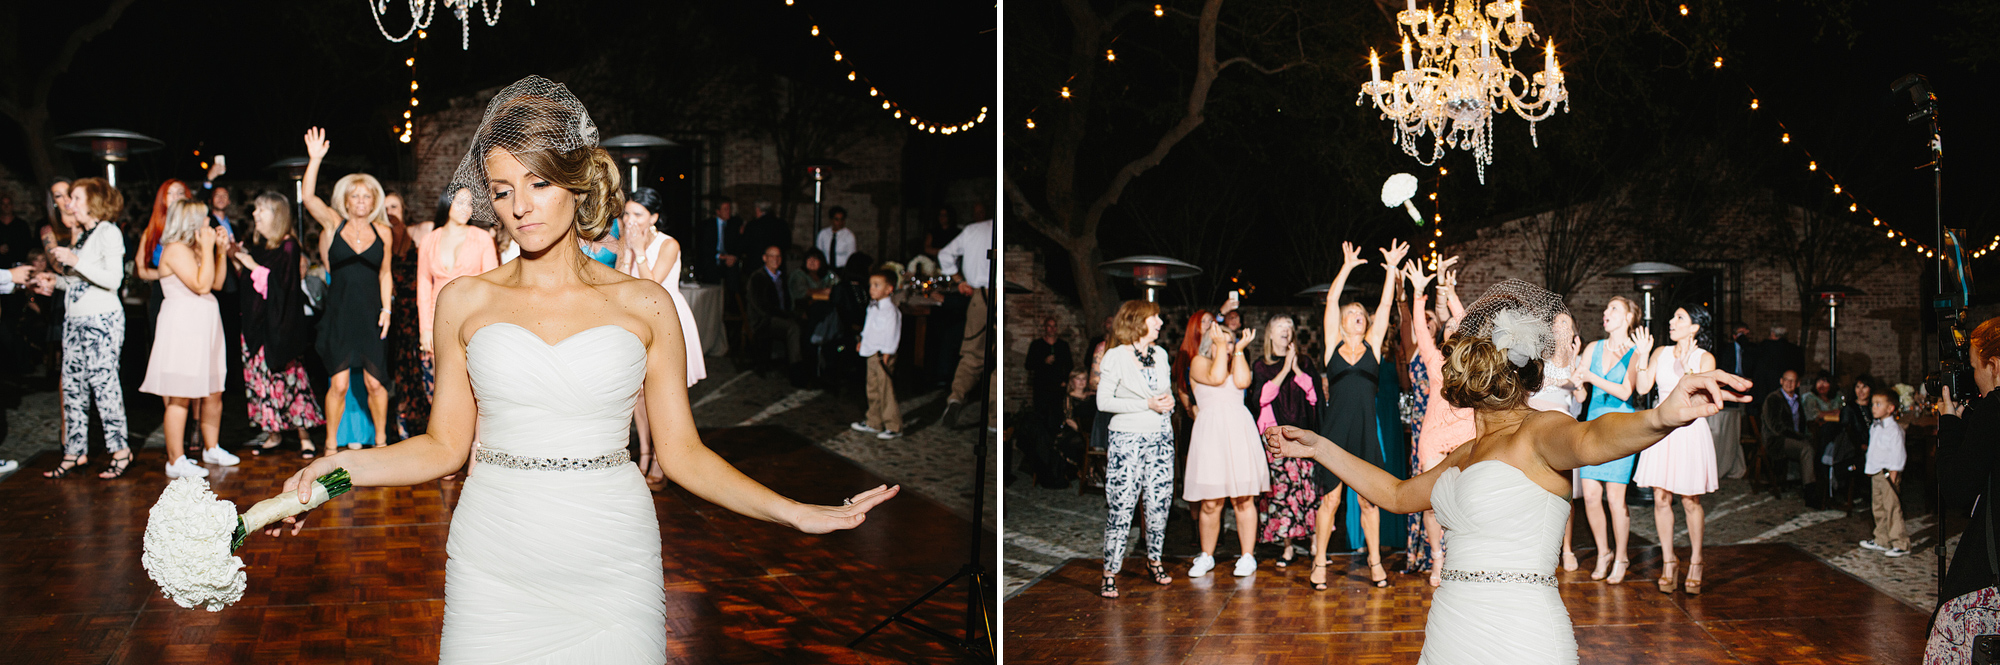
x=1503, y=497
x=554, y=552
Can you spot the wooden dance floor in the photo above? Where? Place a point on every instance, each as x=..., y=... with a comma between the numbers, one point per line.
x=365, y=582
x=1759, y=604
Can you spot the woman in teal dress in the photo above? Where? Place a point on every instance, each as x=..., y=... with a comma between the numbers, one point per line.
x=1611, y=370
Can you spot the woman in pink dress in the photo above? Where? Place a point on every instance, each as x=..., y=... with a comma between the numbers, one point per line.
x=1445, y=427
x=186, y=366
x=1225, y=455
x=1683, y=464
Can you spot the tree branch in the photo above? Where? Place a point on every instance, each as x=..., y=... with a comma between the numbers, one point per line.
x=69, y=48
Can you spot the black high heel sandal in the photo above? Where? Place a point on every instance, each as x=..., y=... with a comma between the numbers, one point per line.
x=308, y=450
x=1318, y=586
x=1110, y=587
x=116, y=468
x=1383, y=582
x=1158, y=572
x=69, y=465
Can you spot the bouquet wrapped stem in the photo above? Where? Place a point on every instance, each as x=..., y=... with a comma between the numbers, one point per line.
x=286, y=504
x=191, y=537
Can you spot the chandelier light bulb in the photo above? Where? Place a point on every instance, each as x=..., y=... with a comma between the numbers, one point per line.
x=423, y=35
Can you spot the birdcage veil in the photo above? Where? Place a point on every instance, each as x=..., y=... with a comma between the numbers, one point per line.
x=532, y=114
x=1518, y=317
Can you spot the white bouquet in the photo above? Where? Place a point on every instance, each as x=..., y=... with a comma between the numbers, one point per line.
x=1906, y=396
x=191, y=534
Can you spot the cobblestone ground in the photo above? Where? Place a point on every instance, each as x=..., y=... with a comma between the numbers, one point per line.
x=932, y=461
x=1047, y=527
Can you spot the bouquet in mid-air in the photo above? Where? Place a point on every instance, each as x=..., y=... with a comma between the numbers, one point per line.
x=191, y=537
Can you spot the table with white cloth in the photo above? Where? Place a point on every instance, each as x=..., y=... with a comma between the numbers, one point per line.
x=1727, y=426
x=705, y=300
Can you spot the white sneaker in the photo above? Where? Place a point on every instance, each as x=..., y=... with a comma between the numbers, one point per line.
x=1202, y=564
x=8, y=466
x=862, y=427
x=1894, y=552
x=186, y=467
x=889, y=434
x=1246, y=566
x=1870, y=544
x=220, y=457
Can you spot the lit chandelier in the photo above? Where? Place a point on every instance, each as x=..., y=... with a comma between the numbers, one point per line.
x=421, y=12
x=1458, y=78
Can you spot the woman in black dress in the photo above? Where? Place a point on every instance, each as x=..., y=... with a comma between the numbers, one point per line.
x=279, y=395
x=411, y=387
x=356, y=319
x=1353, y=364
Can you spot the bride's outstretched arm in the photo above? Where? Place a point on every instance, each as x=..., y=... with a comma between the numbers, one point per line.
x=1568, y=444
x=1371, y=482
x=691, y=464
x=425, y=457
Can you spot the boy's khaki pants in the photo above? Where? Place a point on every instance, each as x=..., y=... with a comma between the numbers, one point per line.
x=1888, y=513
x=882, y=410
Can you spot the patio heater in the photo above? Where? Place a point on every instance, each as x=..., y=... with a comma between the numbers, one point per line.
x=633, y=150
x=1647, y=277
x=1149, y=271
x=816, y=170
x=111, y=145
x=1833, y=296
x=295, y=168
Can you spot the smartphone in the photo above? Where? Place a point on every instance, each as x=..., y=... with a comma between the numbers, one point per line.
x=1232, y=296
x=222, y=163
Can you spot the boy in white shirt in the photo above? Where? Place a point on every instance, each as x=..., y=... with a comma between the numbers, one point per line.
x=1885, y=471
x=881, y=332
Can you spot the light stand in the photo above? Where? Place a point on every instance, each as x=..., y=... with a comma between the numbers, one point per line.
x=978, y=619
x=111, y=145
x=1949, y=306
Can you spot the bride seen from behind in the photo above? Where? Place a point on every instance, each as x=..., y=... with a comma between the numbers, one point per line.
x=1503, y=522
x=554, y=550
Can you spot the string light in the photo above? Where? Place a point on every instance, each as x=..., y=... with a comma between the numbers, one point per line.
x=1812, y=166
x=1684, y=10
x=1836, y=188
x=1718, y=62
x=1787, y=138
x=1065, y=92
x=1159, y=10
x=888, y=104
x=1753, y=104
x=1110, y=55
x=1031, y=123
x=1853, y=207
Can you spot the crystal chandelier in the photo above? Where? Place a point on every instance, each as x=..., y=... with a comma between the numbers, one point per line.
x=421, y=12
x=1461, y=74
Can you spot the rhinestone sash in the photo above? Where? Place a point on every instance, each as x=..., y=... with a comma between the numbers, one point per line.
x=1544, y=579
x=497, y=458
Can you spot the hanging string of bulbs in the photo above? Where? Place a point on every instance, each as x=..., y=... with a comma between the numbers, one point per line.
x=409, y=127
x=1854, y=204
x=1110, y=55
x=895, y=110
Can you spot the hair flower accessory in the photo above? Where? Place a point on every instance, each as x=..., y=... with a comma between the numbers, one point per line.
x=1519, y=335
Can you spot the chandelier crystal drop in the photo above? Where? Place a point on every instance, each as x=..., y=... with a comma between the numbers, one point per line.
x=1459, y=74
x=422, y=11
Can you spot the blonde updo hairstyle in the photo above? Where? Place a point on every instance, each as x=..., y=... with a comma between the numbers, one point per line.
x=587, y=171
x=1477, y=375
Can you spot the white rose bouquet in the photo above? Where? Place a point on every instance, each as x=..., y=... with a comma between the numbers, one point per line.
x=191, y=534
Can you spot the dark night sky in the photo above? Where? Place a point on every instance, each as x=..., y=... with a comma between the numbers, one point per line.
x=245, y=78
x=1821, y=66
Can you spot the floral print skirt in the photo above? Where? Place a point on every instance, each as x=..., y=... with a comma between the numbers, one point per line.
x=281, y=400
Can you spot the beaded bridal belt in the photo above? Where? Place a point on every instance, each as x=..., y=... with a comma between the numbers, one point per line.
x=1544, y=579
x=497, y=458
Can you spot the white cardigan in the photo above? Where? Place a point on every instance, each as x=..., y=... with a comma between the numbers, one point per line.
x=1122, y=390
x=91, y=285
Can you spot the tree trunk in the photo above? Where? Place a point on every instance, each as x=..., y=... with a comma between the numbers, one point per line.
x=35, y=128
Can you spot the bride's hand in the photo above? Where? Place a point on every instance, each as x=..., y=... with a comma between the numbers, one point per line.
x=827, y=519
x=301, y=483
x=1702, y=395
x=1289, y=441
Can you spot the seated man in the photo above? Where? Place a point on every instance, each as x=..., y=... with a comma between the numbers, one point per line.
x=770, y=306
x=1784, y=432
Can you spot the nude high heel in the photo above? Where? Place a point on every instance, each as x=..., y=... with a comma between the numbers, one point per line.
x=1667, y=579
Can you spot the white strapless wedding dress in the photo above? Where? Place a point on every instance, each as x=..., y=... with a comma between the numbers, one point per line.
x=548, y=565
x=1503, y=532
